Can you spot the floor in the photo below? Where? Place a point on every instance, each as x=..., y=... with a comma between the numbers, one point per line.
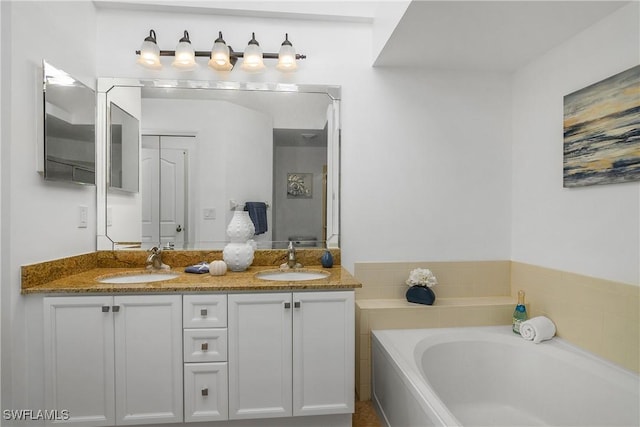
x=365, y=415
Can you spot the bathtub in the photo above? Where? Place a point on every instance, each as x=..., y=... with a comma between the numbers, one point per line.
x=488, y=376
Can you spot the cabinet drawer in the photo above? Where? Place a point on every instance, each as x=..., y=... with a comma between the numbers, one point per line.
x=204, y=311
x=205, y=345
x=205, y=392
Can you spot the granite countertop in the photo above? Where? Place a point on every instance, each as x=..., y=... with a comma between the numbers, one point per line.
x=88, y=282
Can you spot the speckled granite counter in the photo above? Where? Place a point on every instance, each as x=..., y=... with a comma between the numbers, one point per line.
x=81, y=274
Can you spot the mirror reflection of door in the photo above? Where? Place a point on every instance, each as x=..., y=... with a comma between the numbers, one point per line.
x=165, y=189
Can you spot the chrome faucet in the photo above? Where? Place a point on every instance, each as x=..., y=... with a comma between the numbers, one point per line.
x=291, y=257
x=154, y=260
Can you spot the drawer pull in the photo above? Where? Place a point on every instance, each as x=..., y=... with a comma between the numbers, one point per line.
x=203, y=312
x=105, y=308
x=205, y=346
x=205, y=391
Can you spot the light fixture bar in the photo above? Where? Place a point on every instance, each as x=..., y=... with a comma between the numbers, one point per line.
x=233, y=54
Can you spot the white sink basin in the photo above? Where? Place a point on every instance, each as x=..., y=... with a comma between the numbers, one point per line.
x=293, y=275
x=138, y=278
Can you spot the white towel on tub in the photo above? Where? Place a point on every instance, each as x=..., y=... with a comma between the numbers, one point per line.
x=537, y=329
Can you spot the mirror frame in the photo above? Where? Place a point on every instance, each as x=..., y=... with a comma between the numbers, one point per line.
x=105, y=84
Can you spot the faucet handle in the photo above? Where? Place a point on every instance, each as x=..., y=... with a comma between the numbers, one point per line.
x=154, y=250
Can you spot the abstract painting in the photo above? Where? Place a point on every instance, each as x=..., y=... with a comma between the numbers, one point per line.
x=602, y=131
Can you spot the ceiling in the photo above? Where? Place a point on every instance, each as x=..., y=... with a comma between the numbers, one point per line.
x=486, y=35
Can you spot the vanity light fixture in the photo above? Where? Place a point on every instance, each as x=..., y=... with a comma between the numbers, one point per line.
x=221, y=56
x=149, y=52
x=252, y=60
x=185, y=56
x=287, y=56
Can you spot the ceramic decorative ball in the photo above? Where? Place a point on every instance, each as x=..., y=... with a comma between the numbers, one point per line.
x=238, y=256
x=217, y=268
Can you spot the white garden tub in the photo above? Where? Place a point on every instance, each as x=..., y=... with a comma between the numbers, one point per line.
x=489, y=376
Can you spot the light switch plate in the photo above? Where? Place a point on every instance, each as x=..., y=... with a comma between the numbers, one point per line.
x=209, y=213
x=83, y=216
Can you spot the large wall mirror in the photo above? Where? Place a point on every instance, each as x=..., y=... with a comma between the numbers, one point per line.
x=69, y=128
x=208, y=148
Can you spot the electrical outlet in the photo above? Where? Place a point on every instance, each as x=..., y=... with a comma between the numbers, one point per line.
x=83, y=216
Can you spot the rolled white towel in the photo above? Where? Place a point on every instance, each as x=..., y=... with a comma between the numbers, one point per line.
x=537, y=329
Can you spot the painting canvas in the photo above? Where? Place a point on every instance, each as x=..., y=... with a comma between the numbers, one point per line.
x=602, y=131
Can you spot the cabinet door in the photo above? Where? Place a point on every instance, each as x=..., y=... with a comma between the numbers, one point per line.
x=259, y=355
x=148, y=359
x=323, y=353
x=78, y=354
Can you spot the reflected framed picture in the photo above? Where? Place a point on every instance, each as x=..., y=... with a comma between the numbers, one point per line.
x=299, y=185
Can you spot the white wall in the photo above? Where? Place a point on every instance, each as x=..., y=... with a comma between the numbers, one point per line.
x=426, y=160
x=39, y=219
x=595, y=230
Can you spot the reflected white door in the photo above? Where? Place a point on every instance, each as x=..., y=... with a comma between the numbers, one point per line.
x=164, y=189
x=172, y=195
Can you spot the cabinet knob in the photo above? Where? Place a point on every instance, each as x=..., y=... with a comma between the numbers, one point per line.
x=205, y=346
x=296, y=304
x=203, y=312
x=287, y=305
x=205, y=391
x=115, y=308
x=105, y=308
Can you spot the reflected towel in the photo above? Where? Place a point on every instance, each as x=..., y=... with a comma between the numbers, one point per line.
x=537, y=329
x=258, y=214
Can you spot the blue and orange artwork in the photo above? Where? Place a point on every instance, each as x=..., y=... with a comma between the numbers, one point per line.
x=602, y=131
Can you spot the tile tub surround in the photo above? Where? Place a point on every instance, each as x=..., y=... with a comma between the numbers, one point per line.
x=82, y=270
x=601, y=316
x=598, y=315
x=455, y=278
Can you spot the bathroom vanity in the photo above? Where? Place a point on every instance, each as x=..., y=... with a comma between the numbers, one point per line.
x=198, y=348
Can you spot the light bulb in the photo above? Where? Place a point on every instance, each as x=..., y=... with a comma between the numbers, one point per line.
x=185, y=56
x=150, y=52
x=220, y=55
x=252, y=58
x=287, y=56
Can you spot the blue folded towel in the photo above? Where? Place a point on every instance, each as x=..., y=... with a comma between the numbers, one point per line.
x=258, y=214
x=201, y=268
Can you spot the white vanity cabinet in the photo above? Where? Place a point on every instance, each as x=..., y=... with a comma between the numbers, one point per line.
x=205, y=357
x=291, y=354
x=114, y=360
